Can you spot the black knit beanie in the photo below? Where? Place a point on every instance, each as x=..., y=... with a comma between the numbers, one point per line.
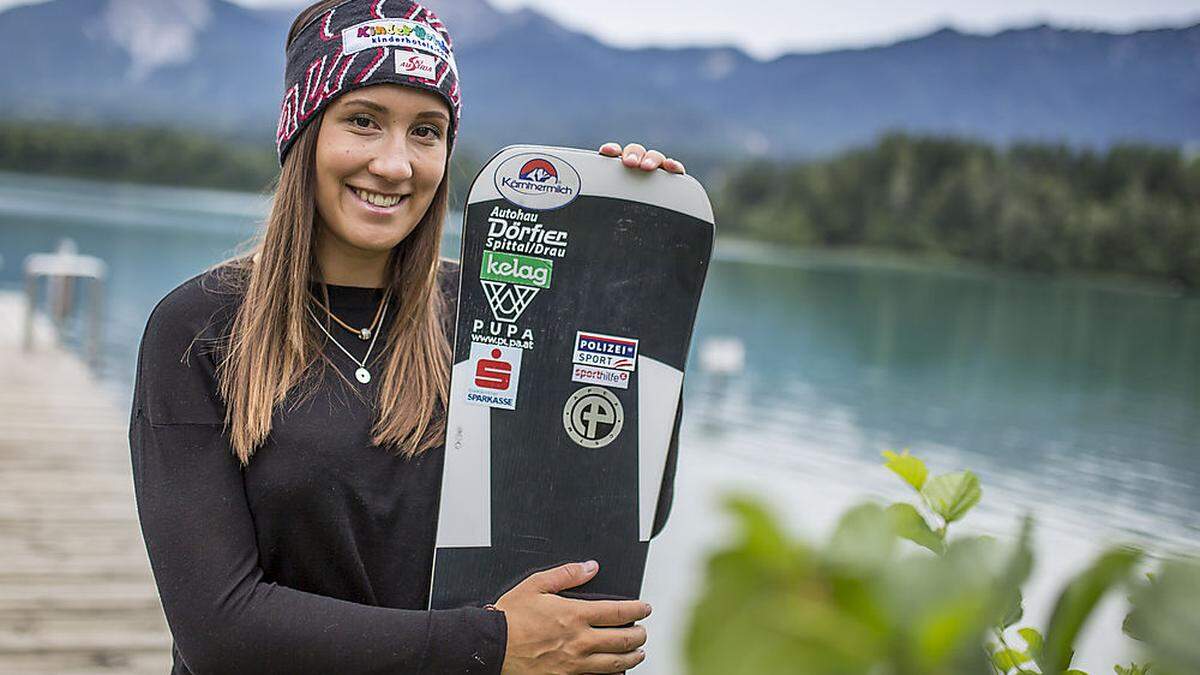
x=359, y=43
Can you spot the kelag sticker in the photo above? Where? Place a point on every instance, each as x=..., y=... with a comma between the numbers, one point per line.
x=516, y=269
x=605, y=351
x=495, y=372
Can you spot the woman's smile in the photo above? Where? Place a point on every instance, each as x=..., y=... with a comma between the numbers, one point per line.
x=383, y=203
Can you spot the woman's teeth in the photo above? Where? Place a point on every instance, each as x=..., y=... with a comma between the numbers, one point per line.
x=377, y=199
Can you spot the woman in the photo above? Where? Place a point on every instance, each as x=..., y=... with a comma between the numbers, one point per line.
x=288, y=415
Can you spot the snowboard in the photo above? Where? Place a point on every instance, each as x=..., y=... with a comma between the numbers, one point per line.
x=580, y=281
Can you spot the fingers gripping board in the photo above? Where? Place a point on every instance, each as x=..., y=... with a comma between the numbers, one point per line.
x=579, y=288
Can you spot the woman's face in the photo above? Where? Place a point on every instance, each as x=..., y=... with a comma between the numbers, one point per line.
x=381, y=153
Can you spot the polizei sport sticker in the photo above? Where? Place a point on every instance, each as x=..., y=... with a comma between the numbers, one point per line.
x=605, y=351
x=537, y=181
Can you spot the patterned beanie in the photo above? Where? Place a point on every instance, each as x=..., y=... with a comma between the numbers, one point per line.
x=359, y=43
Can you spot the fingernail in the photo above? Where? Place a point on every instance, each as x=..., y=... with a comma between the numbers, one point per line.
x=647, y=163
x=648, y=609
x=590, y=566
x=635, y=157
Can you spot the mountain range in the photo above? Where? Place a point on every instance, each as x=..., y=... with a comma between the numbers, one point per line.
x=217, y=66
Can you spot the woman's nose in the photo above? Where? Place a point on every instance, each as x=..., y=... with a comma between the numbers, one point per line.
x=392, y=162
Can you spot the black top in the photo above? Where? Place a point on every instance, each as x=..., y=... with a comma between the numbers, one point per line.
x=317, y=557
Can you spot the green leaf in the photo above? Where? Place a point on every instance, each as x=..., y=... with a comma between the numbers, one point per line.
x=1133, y=669
x=1033, y=640
x=863, y=539
x=1077, y=602
x=1166, y=616
x=907, y=522
x=943, y=607
x=1012, y=576
x=1015, y=611
x=1007, y=659
x=1073, y=671
x=773, y=605
x=951, y=495
x=910, y=468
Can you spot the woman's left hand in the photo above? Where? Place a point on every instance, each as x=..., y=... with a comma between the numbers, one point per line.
x=636, y=155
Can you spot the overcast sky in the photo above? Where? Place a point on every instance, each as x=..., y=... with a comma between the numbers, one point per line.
x=767, y=28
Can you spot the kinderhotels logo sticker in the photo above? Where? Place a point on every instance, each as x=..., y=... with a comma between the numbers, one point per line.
x=394, y=33
x=495, y=373
x=511, y=281
x=537, y=181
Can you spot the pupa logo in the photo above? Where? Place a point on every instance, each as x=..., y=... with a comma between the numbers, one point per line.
x=538, y=170
x=537, y=181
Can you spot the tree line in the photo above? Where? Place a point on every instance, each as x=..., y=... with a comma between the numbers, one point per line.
x=1132, y=209
x=158, y=156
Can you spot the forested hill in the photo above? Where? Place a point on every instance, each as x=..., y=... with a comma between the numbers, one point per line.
x=1133, y=210
x=216, y=66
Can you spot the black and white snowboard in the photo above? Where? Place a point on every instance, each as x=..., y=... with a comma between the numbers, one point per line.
x=579, y=288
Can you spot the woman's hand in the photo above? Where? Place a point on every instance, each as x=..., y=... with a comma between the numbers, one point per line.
x=635, y=154
x=548, y=633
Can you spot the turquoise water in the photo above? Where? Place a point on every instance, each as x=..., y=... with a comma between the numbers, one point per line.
x=1078, y=400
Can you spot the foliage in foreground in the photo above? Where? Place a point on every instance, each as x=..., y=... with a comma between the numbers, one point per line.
x=867, y=603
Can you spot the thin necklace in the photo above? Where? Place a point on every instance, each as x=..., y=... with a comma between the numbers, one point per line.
x=363, y=334
x=362, y=373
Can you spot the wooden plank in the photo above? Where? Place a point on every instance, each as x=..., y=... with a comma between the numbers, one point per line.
x=90, y=661
x=76, y=593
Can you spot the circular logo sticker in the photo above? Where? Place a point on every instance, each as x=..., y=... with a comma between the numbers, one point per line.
x=593, y=417
x=537, y=181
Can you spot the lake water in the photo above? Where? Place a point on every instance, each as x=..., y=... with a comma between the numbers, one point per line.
x=1076, y=400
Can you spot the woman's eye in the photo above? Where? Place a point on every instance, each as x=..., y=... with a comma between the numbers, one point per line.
x=429, y=131
x=361, y=121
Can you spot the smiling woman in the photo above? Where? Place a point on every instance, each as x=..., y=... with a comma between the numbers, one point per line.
x=316, y=556
x=381, y=157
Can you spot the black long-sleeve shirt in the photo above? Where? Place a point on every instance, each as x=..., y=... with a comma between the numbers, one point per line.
x=316, y=558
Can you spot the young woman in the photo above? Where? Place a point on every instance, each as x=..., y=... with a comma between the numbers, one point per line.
x=288, y=415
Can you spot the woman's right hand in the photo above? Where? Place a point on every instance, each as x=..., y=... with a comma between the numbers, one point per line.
x=548, y=633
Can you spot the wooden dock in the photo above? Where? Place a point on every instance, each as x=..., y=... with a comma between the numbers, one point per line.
x=76, y=593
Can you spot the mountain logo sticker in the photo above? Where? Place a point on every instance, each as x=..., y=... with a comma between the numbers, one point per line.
x=538, y=170
x=537, y=181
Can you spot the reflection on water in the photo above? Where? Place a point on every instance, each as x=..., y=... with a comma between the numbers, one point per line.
x=1052, y=389
x=1077, y=399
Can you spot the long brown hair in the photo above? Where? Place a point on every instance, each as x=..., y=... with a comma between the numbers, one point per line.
x=272, y=349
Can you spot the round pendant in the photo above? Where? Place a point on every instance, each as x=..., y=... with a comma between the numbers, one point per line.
x=364, y=334
x=362, y=375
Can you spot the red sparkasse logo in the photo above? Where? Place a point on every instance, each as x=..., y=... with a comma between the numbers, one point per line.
x=493, y=373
